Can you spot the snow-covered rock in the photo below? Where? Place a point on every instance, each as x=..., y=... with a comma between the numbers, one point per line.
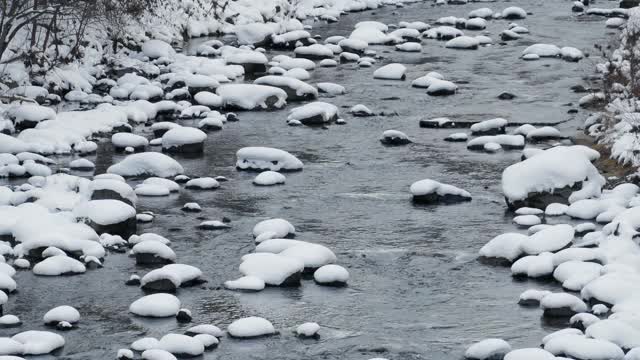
x=432, y=192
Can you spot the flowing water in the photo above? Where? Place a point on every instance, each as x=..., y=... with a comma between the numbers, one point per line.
x=416, y=290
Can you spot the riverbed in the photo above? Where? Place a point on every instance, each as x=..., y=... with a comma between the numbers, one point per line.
x=416, y=289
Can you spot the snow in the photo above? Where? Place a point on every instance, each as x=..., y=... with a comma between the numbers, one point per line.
x=514, y=12
x=488, y=349
x=488, y=125
x=264, y=158
x=506, y=246
x=391, y=72
x=206, y=329
x=331, y=88
x=574, y=275
x=562, y=300
x=315, y=112
x=62, y=313
x=251, y=327
x=556, y=209
x=533, y=265
x=156, y=305
x=157, y=49
x=250, y=283
x=182, y=135
x=542, y=50
x=39, y=342
x=178, y=274
x=510, y=141
x=529, y=354
x=313, y=256
x=181, y=345
x=533, y=295
x=267, y=178
x=331, y=274
x=552, y=169
x=463, y=42
x=81, y=164
x=105, y=212
x=551, y=239
x=428, y=186
x=273, y=269
x=251, y=96
x=155, y=248
x=58, y=265
x=299, y=87
x=157, y=354
x=618, y=332
x=206, y=183
x=581, y=347
x=309, y=329
x=208, y=99
x=147, y=164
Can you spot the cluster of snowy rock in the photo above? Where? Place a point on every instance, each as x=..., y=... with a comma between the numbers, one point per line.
x=491, y=135
x=596, y=260
x=279, y=260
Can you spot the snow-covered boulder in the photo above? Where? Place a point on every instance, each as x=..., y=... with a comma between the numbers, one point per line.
x=38, y=342
x=391, y=72
x=155, y=49
x=331, y=275
x=276, y=228
x=432, y=192
x=273, y=269
x=252, y=96
x=170, y=277
x=147, y=164
x=268, y=178
x=551, y=177
x=503, y=248
x=463, y=42
x=550, y=239
x=542, y=50
x=562, y=305
x=184, y=139
x=108, y=216
x=296, y=90
x=181, y=345
x=264, y=158
x=251, y=327
x=153, y=252
x=156, y=305
x=394, y=137
x=315, y=113
x=246, y=283
x=123, y=140
x=56, y=266
x=489, y=127
x=61, y=313
x=488, y=349
x=513, y=13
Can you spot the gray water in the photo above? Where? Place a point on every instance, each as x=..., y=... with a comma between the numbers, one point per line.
x=416, y=290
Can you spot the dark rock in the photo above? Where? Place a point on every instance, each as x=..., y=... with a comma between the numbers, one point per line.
x=160, y=285
x=125, y=228
x=183, y=316
x=579, y=89
x=232, y=117
x=562, y=312
x=395, y=141
x=151, y=259
x=133, y=281
x=542, y=200
x=197, y=148
x=506, y=96
x=628, y=4
x=434, y=198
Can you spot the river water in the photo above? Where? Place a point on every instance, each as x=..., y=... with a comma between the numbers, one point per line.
x=416, y=290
